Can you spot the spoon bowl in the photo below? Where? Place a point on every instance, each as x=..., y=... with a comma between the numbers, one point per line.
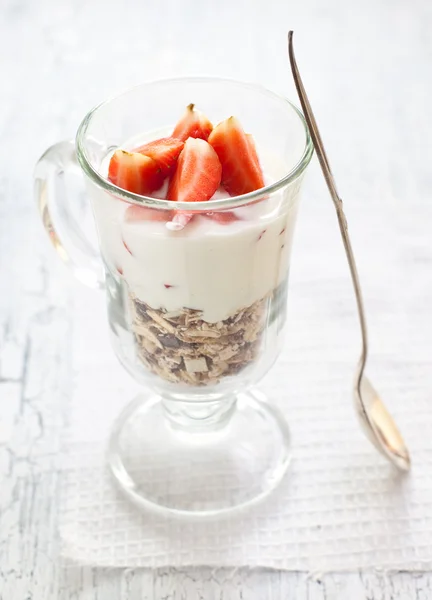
x=378, y=424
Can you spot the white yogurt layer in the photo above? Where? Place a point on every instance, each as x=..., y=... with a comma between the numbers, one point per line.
x=213, y=267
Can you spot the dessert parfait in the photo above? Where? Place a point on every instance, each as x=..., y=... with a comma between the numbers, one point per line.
x=203, y=288
x=195, y=208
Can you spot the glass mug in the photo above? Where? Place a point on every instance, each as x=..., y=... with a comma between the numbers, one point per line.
x=197, y=313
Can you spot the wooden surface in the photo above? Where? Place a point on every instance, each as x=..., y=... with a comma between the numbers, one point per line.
x=367, y=70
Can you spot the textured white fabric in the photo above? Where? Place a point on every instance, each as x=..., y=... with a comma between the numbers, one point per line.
x=341, y=506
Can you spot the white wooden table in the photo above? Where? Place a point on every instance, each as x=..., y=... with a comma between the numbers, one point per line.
x=367, y=68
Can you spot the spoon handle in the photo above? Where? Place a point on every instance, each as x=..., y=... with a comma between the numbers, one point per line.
x=331, y=184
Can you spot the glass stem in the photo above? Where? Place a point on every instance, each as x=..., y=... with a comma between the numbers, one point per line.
x=196, y=416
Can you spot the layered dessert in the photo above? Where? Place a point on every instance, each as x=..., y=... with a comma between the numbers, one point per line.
x=200, y=284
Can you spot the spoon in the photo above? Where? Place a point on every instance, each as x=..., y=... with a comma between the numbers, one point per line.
x=376, y=421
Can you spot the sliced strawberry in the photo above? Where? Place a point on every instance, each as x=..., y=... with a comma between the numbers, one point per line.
x=241, y=171
x=253, y=149
x=223, y=217
x=192, y=124
x=164, y=151
x=134, y=172
x=135, y=213
x=180, y=220
x=127, y=247
x=198, y=173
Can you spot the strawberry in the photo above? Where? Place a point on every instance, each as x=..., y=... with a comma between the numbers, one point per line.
x=241, y=171
x=135, y=213
x=134, y=172
x=223, y=217
x=127, y=247
x=192, y=124
x=198, y=173
x=180, y=220
x=252, y=146
x=164, y=151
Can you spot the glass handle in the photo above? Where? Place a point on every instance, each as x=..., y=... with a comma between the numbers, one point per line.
x=65, y=216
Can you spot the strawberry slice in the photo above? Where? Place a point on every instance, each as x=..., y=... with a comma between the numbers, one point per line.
x=241, y=171
x=164, y=151
x=253, y=149
x=192, y=124
x=180, y=219
x=135, y=213
x=134, y=172
x=224, y=217
x=198, y=173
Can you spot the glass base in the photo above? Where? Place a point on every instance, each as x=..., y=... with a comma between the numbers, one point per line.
x=199, y=466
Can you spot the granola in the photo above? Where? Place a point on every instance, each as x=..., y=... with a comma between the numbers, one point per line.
x=181, y=347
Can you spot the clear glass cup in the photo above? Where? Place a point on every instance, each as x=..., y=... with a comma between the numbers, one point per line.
x=195, y=314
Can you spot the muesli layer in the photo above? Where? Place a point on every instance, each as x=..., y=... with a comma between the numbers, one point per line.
x=180, y=347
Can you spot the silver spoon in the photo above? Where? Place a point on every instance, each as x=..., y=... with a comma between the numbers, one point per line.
x=376, y=421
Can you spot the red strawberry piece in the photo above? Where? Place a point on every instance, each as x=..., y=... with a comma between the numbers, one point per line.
x=241, y=171
x=164, y=151
x=223, y=217
x=180, y=220
x=134, y=172
x=192, y=124
x=198, y=173
x=127, y=247
x=253, y=149
x=136, y=213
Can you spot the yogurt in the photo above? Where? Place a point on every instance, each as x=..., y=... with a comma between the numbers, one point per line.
x=216, y=268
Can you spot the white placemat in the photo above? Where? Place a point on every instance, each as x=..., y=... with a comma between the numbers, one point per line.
x=341, y=506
